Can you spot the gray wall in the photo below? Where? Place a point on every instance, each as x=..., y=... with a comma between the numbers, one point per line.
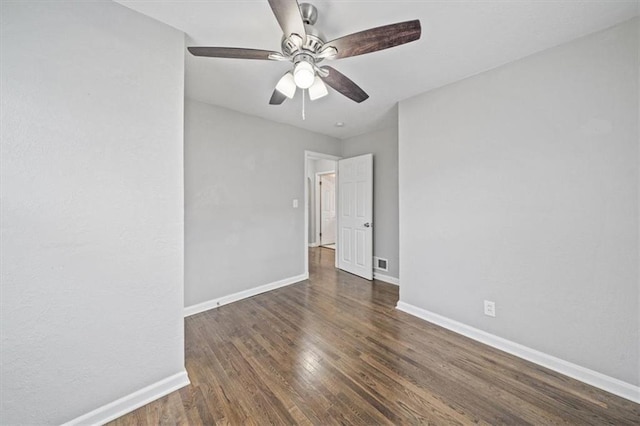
x=92, y=224
x=241, y=175
x=384, y=146
x=520, y=185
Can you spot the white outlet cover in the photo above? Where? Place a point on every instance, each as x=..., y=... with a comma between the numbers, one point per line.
x=295, y=203
x=489, y=308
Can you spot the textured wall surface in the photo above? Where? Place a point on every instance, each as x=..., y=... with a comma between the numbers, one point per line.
x=383, y=144
x=92, y=217
x=520, y=186
x=241, y=175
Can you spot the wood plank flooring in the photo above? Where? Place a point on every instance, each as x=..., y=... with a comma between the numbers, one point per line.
x=334, y=350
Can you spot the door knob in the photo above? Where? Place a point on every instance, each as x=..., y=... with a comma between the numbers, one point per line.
x=368, y=225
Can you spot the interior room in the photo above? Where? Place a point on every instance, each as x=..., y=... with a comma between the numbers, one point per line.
x=282, y=212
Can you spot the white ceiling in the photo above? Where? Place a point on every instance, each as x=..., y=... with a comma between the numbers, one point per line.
x=459, y=39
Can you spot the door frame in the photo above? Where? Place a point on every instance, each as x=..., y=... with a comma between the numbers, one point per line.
x=311, y=155
x=318, y=206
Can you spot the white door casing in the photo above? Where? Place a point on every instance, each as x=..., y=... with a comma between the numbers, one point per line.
x=327, y=191
x=355, y=217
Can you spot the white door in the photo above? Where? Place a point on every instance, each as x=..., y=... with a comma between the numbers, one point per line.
x=328, y=209
x=355, y=217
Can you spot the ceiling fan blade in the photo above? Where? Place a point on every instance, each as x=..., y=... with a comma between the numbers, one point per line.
x=375, y=39
x=234, y=53
x=343, y=84
x=277, y=97
x=287, y=13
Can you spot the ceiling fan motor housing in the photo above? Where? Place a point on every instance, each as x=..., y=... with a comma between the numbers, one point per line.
x=291, y=46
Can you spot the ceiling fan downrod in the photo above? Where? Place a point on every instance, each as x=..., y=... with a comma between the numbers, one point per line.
x=309, y=13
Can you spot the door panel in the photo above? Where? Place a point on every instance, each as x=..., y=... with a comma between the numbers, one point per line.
x=345, y=248
x=346, y=191
x=360, y=255
x=355, y=221
x=361, y=200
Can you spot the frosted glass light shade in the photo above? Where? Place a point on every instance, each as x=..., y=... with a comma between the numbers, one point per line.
x=317, y=89
x=286, y=85
x=303, y=74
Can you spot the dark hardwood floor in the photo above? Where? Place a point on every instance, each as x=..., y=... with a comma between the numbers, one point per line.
x=333, y=349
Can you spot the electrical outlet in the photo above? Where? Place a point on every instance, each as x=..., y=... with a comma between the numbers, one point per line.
x=489, y=308
x=295, y=203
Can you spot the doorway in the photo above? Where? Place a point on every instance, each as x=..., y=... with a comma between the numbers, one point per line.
x=326, y=222
x=317, y=167
x=352, y=208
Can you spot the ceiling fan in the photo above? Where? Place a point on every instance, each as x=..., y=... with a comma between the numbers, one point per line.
x=304, y=46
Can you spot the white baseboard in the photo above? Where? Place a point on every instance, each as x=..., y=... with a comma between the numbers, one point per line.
x=593, y=378
x=128, y=403
x=314, y=244
x=224, y=300
x=386, y=278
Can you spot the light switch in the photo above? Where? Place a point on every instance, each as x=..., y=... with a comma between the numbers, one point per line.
x=295, y=203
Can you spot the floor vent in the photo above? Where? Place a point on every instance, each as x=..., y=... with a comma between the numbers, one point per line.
x=380, y=263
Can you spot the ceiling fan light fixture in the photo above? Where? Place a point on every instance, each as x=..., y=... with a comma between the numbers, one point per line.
x=304, y=75
x=317, y=89
x=305, y=46
x=286, y=85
